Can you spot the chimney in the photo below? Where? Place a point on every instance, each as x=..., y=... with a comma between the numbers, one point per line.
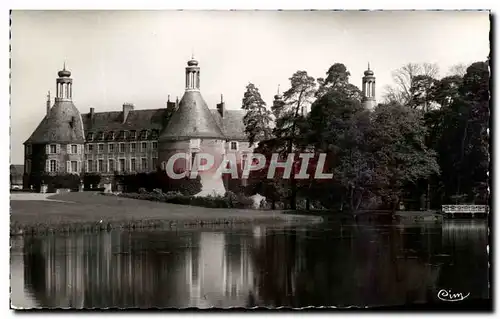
x=48, y=103
x=91, y=114
x=176, y=102
x=220, y=106
x=127, y=107
x=171, y=106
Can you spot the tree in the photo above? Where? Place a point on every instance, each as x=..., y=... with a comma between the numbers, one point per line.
x=404, y=77
x=397, y=139
x=257, y=117
x=291, y=122
x=338, y=78
x=458, y=69
x=337, y=124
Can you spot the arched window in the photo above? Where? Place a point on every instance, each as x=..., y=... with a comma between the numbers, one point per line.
x=163, y=166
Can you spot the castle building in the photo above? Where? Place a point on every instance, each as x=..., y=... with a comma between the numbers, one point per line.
x=133, y=140
x=368, y=89
x=142, y=140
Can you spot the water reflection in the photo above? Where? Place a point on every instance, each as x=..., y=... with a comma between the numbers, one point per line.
x=330, y=264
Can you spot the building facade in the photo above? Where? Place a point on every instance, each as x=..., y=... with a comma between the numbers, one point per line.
x=142, y=140
x=132, y=140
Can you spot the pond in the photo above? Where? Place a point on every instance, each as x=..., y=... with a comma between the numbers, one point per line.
x=331, y=264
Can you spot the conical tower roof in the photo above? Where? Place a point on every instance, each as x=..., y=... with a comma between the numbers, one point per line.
x=192, y=119
x=62, y=125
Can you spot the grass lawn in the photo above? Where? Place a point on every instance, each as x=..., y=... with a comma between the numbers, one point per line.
x=86, y=210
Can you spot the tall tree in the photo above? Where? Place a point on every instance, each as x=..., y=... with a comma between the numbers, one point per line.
x=397, y=139
x=291, y=122
x=257, y=118
x=337, y=77
x=404, y=77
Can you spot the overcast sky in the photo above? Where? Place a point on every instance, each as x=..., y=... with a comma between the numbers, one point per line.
x=140, y=56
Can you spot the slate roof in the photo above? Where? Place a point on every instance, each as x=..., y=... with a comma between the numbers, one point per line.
x=231, y=124
x=136, y=120
x=192, y=119
x=229, y=127
x=63, y=124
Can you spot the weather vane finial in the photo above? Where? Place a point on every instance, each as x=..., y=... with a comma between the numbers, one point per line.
x=192, y=54
x=368, y=65
x=278, y=89
x=64, y=65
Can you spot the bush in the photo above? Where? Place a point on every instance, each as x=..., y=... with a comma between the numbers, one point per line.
x=230, y=200
x=159, y=181
x=91, y=179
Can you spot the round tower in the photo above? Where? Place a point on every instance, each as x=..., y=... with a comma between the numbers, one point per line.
x=57, y=144
x=192, y=130
x=369, y=101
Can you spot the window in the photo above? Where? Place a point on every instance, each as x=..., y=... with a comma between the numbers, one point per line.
x=122, y=135
x=144, y=146
x=144, y=134
x=101, y=136
x=111, y=165
x=132, y=147
x=144, y=164
x=90, y=136
x=53, y=149
x=90, y=148
x=154, y=145
x=234, y=146
x=111, y=148
x=154, y=134
x=28, y=149
x=122, y=147
x=90, y=165
x=100, y=148
x=244, y=157
x=74, y=167
x=112, y=135
x=133, y=165
x=28, y=166
x=164, y=166
x=155, y=163
x=100, y=165
x=53, y=165
x=194, y=143
x=133, y=135
x=121, y=163
x=74, y=149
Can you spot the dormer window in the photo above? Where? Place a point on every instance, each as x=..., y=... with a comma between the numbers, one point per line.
x=133, y=135
x=101, y=136
x=122, y=135
x=234, y=146
x=154, y=134
x=112, y=136
x=90, y=136
x=144, y=134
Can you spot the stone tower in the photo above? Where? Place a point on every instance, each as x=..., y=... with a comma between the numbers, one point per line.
x=369, y=89
x=57, y=144
x=192, y=129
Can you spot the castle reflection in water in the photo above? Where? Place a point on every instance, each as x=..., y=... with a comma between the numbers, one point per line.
x=351, y=265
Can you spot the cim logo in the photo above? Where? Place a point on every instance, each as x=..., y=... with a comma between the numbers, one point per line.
x=448, y=295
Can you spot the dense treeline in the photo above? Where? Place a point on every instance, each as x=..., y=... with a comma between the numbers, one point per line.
x=424, y=146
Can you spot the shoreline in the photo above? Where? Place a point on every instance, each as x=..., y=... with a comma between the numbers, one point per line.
x=90, y=212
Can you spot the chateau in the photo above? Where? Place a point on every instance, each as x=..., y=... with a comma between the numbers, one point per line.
x=132, y=140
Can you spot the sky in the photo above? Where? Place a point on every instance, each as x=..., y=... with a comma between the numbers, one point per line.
x=139, y=56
